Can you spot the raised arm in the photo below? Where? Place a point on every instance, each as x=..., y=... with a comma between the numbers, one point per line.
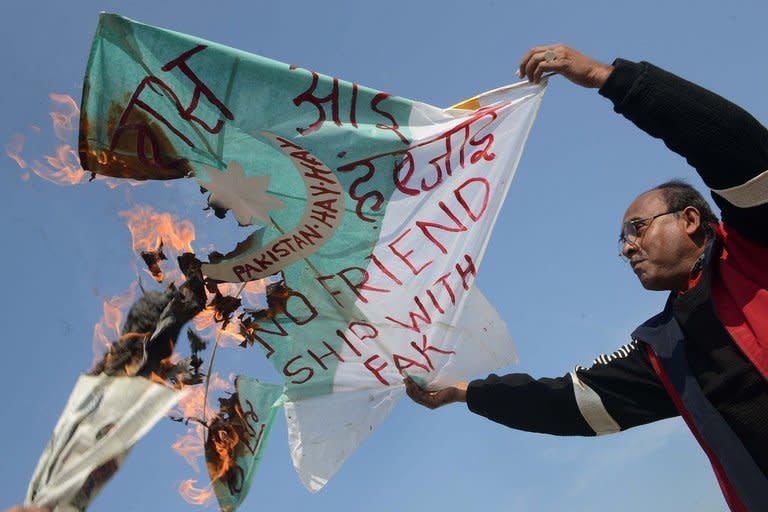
x=724, y=143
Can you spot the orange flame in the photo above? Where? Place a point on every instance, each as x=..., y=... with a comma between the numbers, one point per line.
x=191, y=405
x=13, y=150
x=190, y=446
x=63, y=123
x=195, y=495
x=148, y=228
x=62, y=169
x=219, y=384
x=208, y=324
x=110, y=325
x=224, y=442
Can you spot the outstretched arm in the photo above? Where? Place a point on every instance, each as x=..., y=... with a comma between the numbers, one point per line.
x=617, y=392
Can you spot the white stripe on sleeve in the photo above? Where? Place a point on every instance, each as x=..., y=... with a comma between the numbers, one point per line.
x=592, y=408
x=749, y=194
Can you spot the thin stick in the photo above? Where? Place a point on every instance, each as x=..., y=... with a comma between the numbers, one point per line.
x=210, y=363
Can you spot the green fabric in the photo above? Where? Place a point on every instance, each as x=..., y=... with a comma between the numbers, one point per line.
x=260, y=404
x=261, y=96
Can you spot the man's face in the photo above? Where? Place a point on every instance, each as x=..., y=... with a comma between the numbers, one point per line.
x=663, y=254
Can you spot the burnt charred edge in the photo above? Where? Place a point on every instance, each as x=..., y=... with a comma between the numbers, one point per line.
x=212, y=285
x=187, y=420
x=97, y=479
x=228, y=431
x=277, y=300
x=188, y=264
x=224, y=307
x=218, y=211
x=123, y=354
x=185, y=372
x=152, y=259
x=247, y=327
x=185, y=304
x=152, y=327
x=242, y=247
x=277, y=294
x=196, y=342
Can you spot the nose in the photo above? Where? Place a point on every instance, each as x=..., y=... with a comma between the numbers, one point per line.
x=628, y=249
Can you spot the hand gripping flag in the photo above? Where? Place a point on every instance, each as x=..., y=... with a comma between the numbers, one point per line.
x=376, y=209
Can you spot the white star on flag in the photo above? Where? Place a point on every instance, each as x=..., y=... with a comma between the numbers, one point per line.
x=246, y=196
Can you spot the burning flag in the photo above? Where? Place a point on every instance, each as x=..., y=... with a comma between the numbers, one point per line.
x=125, y=394
x=236, y=438
x=376, y=210
x=101, y=422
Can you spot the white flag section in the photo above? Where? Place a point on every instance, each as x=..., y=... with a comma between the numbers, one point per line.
x=422, y=316
x=102, y=420
x=324, y=431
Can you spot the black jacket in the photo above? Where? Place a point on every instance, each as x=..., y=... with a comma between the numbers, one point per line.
x=728, y=148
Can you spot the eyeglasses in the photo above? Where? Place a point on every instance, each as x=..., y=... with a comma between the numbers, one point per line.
x=630, y=230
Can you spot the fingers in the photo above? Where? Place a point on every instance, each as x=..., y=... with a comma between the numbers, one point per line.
x=539, y=60
x=435, y=399
x=527, y=56
x=543, y=66
x=429, y=399
x=533, y=63
x=417, y=394
x=568, y=62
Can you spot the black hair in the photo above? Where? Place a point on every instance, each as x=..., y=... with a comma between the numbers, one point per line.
x=679, y=194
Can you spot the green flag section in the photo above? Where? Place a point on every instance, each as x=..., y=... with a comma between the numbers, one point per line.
x=376, y=210
x=236, y=438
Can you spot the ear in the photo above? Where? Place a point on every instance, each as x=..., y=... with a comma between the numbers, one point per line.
x=691, y=219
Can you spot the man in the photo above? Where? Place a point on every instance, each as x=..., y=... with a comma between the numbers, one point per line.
x=705, y=357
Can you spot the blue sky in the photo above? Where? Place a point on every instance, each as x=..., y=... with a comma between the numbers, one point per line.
x=551, y=268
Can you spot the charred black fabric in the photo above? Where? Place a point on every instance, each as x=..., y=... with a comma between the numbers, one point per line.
x=154, y=323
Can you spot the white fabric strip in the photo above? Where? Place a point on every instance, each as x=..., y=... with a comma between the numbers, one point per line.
x=749, y=194
x=592, y=408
